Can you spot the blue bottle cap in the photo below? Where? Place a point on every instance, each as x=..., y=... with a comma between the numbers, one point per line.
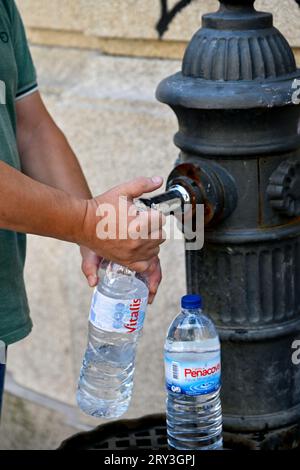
x=191, y=301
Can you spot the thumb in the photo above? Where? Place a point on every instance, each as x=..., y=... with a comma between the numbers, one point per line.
x=141, y=185
x=90, y=266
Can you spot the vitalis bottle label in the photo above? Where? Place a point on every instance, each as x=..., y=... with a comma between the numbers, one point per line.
x=117, y=315
x=194, y=377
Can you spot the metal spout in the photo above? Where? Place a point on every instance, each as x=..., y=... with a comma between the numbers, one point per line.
x=170, y=202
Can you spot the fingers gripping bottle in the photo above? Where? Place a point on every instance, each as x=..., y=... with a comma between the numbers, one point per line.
x=115, y=323
x=193, y=373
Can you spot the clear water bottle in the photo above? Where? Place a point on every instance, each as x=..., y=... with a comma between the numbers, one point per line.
x=193, y=380
x=115, y=323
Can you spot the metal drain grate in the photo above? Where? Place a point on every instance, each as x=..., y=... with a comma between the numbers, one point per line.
x=148, y=432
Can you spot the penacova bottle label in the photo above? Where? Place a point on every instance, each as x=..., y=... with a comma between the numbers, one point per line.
x=116, y=315
x=194, y=377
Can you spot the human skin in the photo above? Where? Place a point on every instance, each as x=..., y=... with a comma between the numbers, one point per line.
x=51, y=197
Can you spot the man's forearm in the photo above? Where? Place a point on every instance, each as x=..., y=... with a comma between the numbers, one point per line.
x=32, y=207
x=50, y=160
x=45, y=153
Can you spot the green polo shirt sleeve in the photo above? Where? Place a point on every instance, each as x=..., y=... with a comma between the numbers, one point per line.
x=26, y=73
x=17, y=80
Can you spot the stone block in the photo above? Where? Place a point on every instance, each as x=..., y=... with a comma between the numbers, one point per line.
x=137, y=19
x=29, y=426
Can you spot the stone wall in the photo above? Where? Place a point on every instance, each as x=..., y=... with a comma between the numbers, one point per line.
x=133, y=27
x=98, y=65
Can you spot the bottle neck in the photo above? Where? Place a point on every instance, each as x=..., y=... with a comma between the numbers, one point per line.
x=115, y=270
x=111, y=270
x=191, y=311
x=119, y=269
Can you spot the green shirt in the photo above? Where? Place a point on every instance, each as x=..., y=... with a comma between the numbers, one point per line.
x=17, y=79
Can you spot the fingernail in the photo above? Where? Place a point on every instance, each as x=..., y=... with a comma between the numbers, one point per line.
x=157, y=179
x=92, y=279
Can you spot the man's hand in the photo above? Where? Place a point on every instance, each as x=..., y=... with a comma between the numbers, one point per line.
x=130, y=250
x=154, y=277
x=126, y=251
x=90, y=265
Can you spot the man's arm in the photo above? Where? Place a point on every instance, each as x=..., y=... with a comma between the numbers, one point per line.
x=29, y=206
x=47, y=157
x=45, y=153
x=32, y=207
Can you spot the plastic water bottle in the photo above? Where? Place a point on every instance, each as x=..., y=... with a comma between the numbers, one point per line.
x=193, y=380
x=116, y=319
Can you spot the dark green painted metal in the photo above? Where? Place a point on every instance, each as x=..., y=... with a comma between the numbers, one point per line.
x=234, y=104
